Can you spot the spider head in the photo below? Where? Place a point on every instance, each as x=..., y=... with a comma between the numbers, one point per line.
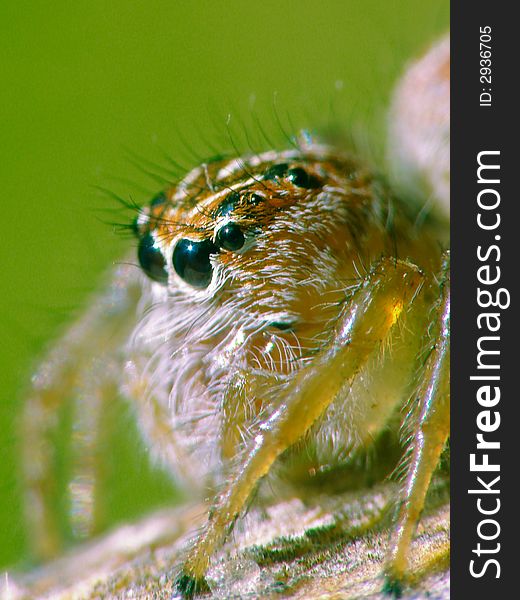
x=277, y=230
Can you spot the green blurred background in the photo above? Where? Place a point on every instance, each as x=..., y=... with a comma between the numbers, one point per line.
x=85, y=85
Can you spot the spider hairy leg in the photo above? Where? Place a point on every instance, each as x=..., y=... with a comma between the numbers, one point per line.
x=67, y=375
x=237, y=410
x=430, y=432
x=365, y=323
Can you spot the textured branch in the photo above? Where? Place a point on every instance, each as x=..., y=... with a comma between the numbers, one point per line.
x=327, y=547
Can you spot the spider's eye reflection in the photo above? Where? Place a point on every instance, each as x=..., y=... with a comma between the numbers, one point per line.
x=302, y=179
x=191, y=261
x=230, y=237
x=151, y=259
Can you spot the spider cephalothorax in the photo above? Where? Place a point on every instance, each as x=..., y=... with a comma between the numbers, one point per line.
x=254, y=260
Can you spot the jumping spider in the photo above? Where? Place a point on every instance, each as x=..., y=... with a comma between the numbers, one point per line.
x=290, y=304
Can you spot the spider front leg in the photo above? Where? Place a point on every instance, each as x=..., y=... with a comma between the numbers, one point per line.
x=429, y=435
x=365, y=323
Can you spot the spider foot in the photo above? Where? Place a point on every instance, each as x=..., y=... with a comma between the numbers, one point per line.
x=393, y=586
x=188, y=586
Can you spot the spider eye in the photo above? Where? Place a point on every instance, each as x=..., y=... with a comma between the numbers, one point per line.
x=302, y=179
x=191, y=261
x=158, y=200
x=276, y=171
x=151, y=259
x=230, y=237
x=229, y=204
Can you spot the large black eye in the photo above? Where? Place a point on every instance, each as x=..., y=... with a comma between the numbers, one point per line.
x=151, y=259
x=191, y=261
x=230, y=237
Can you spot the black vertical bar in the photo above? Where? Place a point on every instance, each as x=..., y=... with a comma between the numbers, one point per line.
x=484, y=119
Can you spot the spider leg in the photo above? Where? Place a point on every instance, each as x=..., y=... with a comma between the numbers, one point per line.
x=430, y=432
x=238, y=408
x=84, y=358
x=364, y=325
